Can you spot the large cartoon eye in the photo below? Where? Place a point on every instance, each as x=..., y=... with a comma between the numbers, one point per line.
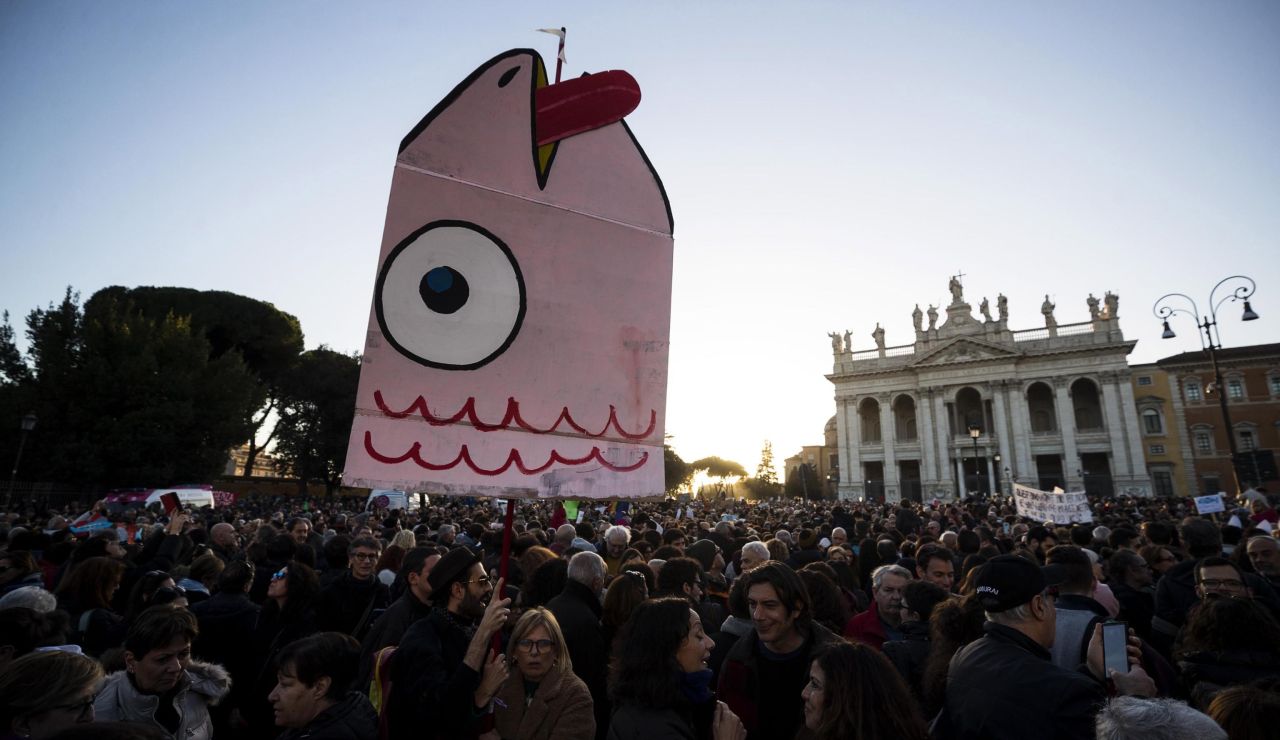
x=450, y=296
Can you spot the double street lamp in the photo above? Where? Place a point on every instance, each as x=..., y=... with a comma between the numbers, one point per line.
x=28, y=423
x=1211, y=342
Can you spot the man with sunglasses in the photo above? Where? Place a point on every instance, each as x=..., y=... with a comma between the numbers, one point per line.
x=443, y=665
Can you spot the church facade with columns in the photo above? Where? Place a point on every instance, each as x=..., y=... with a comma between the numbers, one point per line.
x=972, y=406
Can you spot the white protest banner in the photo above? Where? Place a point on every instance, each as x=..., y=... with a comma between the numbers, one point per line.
x=1046, y=506
x=1210, y=504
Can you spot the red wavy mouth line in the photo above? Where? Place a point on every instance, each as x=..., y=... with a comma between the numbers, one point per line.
x=511, y=416
x=513, y=458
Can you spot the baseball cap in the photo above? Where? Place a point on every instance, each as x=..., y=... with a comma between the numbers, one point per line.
x=1009, y=581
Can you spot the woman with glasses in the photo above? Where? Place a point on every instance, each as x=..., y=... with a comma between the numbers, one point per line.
x=542, y=699
x=42, y=693
x=161, y=685
x=288, y=616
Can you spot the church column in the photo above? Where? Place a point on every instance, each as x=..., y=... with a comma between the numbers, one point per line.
x=991, y=474
x=960, y=476
x=853, y=443
x=1133, y=435
x=928, y=458
x=1000, y=389
x=843, y=490
x=1067, y=425
x=941, y=434
x=889, y=436
x=1021, y=422
x=1114, y=417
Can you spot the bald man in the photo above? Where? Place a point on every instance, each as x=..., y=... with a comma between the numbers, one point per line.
x=223, y=542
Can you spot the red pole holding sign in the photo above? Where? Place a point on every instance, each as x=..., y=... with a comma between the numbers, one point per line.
x=504, y=562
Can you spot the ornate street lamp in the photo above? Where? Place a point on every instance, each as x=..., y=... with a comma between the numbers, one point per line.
x=28, y=423
x=1211, y=342
x=975, y=431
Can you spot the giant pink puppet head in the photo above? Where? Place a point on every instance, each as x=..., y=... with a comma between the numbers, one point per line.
x=517, y=343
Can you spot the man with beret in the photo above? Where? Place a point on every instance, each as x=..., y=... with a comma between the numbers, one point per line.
x=1004, y=685
x=442, y=676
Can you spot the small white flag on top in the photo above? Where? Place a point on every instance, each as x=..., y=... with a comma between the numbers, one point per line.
x=557, y=32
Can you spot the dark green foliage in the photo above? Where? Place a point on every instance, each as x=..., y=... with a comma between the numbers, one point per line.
x=678, y=472
x=317, y=408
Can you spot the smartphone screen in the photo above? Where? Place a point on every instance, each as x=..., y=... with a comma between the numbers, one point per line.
x=1115, y=640
x=170, y=502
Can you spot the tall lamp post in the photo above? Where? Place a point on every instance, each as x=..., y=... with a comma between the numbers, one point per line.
x=975, y=431
x=28, y=423
x=1211, y=342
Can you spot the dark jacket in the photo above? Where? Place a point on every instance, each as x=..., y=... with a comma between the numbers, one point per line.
x=578, y=612
x=1003, y=685
x=226, y=620
x=1136, y=607
x=560, y=709
x=910, y=655
x=387, y=631
x=432, y=690
x=739, y=685
x=352, y=718
x=1205, y=673
x=270, y=636
x=684, y=722
x=349, y=605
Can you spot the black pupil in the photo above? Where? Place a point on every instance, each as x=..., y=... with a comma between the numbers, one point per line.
x=444, y=290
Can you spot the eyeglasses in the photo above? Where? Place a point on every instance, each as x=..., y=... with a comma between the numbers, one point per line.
x=282, y=573
x=529, y=646
x=1227, y=583
x=364, y=556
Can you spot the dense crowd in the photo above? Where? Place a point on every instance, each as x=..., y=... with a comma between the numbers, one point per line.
x=311, y=618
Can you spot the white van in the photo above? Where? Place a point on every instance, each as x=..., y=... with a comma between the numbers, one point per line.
x=380, y=498
x=189, y=498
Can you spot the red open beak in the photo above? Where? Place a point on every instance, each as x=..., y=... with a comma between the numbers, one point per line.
x=582, y=104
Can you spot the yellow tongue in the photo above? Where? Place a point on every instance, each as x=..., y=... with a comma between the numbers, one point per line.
x=545, y=151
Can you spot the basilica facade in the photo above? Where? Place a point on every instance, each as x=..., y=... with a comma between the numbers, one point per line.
x=972, y=406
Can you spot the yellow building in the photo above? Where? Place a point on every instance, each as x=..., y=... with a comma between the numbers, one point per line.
x=824, y=459
x=1163, y=427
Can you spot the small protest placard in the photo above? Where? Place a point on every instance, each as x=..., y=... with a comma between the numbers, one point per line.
x=1210, y=504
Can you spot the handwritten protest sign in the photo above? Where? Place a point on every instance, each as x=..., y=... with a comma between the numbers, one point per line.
x=1047, y=506
x=1210, y=504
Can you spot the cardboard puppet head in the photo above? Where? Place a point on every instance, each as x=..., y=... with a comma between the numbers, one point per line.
x=517, y=343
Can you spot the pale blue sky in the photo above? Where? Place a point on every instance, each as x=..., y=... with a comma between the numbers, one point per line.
x=829, y=164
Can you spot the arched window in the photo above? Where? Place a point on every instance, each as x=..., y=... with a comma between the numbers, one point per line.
x=1088, y=407
x=968, y=410
x=904, y=418
x=869, y=417
x=1040, y=407
x=1151, y=421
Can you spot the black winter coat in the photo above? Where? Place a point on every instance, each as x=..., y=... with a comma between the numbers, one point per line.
x=578, y=611
x=685, y=722
x=349, y=606
x=910, y=655
x=388, y=630
x=432, y=690
x=352, y=718
x=1004, y=686
x=1205, y=673
x=227, y=622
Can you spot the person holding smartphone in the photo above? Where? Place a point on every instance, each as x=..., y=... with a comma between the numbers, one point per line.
x=1005, y=685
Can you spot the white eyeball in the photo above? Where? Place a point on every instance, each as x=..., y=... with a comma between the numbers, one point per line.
x=450, y=296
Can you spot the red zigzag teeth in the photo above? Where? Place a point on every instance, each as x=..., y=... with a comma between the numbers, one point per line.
x=513, y=458
x=512, y=414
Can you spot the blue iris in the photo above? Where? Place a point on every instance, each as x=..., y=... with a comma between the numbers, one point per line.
x=444, y=290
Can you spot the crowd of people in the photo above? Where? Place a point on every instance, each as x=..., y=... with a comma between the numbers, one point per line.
x=720, y=619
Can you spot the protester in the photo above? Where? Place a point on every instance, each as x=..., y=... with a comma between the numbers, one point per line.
x=349, y=603
x=1227, y=642
x=764, y=672
x=312, y=696
x=87, y=595
x=883, y=620
x=413, y=604
x=1004, y=685
x=659, y=682
x=910, y=655
x=42, y=693
x=161, y=685
x=935, y=564
x=578, y=610
x=22, y=630
x=543, y=700
x=1132, y=582
x=1247, y=712
x=288, y=616
x=441, y=673
x=850, y=694
x=1132, y=718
